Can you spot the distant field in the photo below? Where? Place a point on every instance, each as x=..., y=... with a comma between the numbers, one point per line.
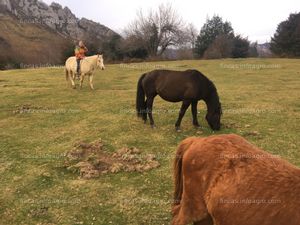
x=260, y=99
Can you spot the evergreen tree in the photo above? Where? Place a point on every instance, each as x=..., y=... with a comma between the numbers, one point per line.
x=286, y=40
x=209, y=32
x=240, y=47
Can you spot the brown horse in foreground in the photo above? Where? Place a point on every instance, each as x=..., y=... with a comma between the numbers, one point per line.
x=224, y=180
x=188, y=87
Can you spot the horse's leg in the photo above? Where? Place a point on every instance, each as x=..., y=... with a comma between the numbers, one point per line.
x=206, y=221
x=67, y=74
x=194, y=113
x=184, y=107
x=91, y=82
x=149, y=103
x=81, y=80
x=71, y=77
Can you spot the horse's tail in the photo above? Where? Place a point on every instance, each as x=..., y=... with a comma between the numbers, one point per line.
x=178, y=176
x=140, y=99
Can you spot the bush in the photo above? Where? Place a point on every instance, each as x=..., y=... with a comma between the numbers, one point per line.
x=240, y=47
x=112, y=48
x=11, y=64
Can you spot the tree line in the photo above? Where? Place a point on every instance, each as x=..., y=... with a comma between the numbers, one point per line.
x=162, y=33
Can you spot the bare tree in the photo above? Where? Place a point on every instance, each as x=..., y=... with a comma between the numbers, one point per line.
x=157, y=30
x=220, y=48
x=192, y=34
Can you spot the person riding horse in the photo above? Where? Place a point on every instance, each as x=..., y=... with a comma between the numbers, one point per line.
x=80, y=52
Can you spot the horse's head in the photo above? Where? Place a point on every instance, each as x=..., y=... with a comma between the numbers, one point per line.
x=213, y=117
x=100, y=63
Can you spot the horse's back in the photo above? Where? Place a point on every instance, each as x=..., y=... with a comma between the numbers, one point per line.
x=170, y=77
x=175, y=86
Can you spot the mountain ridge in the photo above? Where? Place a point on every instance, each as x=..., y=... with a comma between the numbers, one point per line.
x=49, y=20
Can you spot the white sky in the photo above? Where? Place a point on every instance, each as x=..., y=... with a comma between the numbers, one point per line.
x=256, y=19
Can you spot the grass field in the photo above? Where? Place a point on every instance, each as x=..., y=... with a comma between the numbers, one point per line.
x=260, y=99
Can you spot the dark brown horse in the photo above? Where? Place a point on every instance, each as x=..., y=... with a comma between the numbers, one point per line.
x=188, y=86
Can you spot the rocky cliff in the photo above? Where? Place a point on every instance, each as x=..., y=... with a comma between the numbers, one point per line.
x=52, y=19
x=55, y=17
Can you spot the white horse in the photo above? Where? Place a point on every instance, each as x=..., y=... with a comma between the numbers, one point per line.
x=87, y=67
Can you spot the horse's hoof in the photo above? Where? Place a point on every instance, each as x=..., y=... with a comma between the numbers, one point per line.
x=74, y=87
x=178, y=129
x=153, y=126
x=199, y=132
x=197, y=126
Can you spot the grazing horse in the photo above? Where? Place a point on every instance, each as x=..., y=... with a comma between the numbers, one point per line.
x=188, y=86
x=225, y=180
x=88, y=65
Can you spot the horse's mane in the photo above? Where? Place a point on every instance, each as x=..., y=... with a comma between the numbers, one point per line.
x=212, y=90
x=91, y=57
x=213, y=96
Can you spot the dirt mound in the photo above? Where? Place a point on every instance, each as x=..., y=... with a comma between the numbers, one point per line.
x=20, y=109
x=28, y=108
x=91, y=161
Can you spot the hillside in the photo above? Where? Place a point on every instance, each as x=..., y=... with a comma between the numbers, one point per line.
x=27, y=44
x=264, y=50
x=50, y=30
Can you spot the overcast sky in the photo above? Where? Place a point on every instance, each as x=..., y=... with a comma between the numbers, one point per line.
x=256, y=19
